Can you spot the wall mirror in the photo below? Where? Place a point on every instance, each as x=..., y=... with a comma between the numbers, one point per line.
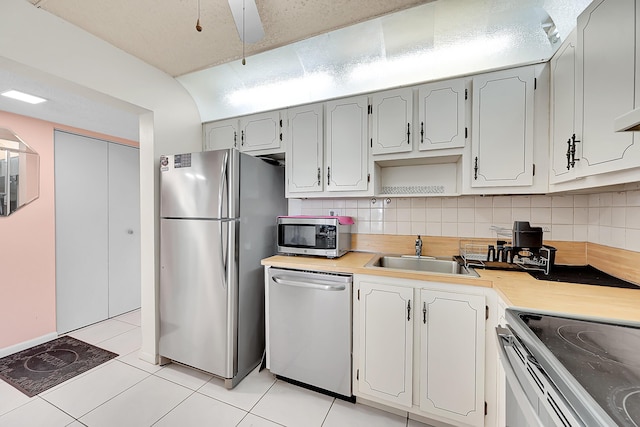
x=19, y=173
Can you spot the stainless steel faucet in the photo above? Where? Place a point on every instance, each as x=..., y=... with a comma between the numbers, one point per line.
x=418, y=246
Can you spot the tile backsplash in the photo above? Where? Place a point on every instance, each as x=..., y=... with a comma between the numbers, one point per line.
x=607, y=218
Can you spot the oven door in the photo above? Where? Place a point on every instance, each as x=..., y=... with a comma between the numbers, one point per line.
x=531, y=399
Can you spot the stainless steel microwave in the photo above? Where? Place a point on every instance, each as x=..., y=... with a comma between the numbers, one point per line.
x=326, y=236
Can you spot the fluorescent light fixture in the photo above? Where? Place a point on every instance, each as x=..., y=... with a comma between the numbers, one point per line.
x=21, y=96
x=292, y=91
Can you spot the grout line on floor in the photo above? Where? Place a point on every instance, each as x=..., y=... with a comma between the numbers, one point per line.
x=173, y=409
x=333, y=402
x=117, y=394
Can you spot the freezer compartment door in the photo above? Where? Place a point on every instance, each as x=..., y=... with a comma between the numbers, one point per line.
x=196, y=185
x=198, y=295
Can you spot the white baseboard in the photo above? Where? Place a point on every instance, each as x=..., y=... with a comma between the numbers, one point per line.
x=27, y=344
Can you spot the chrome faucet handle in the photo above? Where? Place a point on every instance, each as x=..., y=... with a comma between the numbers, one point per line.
x=418, y=246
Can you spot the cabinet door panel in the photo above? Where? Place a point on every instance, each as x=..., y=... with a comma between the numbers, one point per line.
x=606, y=82
x=386, y=342
x=392, y=121
x=441, y=114
x=346, y=135
x=452, y=355
x=221, y=135
x=502, y=136
x=260, y=131
x=304, y=150
x=563, y=69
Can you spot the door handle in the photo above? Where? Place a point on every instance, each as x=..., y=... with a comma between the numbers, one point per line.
x=310, y=284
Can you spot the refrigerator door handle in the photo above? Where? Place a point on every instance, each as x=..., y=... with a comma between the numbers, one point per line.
x=224, y=184
x=224, y=248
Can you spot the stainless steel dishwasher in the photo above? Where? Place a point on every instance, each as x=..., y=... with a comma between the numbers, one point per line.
x=309, y=329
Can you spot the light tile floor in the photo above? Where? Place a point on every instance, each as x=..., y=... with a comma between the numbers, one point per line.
x=127, y=391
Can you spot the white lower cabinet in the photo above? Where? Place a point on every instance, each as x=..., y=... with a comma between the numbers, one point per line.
x=386, y=342
x=452, y=355
x=420, y=346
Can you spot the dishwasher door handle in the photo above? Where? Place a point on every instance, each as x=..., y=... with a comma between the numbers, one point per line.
x=310, y=284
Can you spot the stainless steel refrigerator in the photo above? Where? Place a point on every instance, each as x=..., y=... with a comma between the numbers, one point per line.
x=218, y=214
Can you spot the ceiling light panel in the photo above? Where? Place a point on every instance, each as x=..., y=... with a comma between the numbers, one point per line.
x=24, y=97
x=432, y=41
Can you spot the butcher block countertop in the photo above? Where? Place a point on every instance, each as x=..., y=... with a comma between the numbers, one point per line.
x=516, y=288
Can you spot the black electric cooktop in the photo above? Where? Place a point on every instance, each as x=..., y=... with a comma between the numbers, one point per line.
x=603, y=357
x=585, y=274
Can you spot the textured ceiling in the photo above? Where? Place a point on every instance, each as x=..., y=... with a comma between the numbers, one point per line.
x=163, y=34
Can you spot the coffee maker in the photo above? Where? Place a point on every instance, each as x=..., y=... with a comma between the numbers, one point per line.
x=528, y=250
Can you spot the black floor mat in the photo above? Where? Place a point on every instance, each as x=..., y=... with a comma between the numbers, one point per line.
x=39, y=368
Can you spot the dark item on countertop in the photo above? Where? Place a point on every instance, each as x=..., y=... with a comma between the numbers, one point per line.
x=525, y=236
x=584, y=274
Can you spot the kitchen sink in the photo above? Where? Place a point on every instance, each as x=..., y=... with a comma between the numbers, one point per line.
x=426, y=264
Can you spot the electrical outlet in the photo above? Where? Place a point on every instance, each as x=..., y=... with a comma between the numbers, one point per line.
x=335, y=212
x=546, y=229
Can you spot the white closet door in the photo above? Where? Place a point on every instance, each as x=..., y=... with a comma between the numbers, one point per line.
x=124, y=229
x=81, y=231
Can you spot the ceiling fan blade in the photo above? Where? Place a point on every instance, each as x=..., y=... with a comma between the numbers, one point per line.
x=253, y=30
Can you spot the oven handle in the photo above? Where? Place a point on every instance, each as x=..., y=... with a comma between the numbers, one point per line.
x=310, y=284
x=505, y=339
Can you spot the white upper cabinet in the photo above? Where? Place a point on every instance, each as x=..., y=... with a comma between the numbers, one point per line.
x=502, y=130
x=441, y=115
x=563, y=112
x=386, y=342
x=305, y=148
x=262, y=132
x=452, y=335
x=346, y=155
x=605, y=86
x=392, y=121
x=220, y=135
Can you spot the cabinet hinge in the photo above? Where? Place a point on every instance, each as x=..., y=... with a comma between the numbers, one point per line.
x=534, y=169
x=485, y=408
x=358, y=294
x=466, y=94
x=280, y=136
x=369, y=109
x=280, y=123
x=486, y=312
x=466, y=133
x=371, y=143
x=368, y=177
x=358, y=374
x=535, y=83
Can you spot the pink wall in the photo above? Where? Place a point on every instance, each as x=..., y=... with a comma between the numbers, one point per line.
x=27, y=243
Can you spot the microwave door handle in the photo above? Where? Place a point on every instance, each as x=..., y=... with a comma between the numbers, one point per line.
x=310, y=284
x=505, y=339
